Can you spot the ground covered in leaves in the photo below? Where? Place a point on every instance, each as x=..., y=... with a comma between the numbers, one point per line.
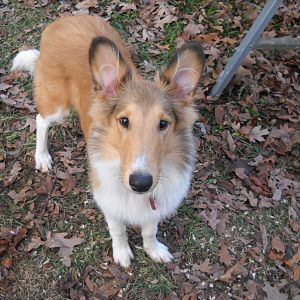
x=237, y=234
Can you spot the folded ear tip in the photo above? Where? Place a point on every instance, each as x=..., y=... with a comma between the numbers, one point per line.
x=196, y=47
x=100, y=41
x=184, y=70
x=108, y=68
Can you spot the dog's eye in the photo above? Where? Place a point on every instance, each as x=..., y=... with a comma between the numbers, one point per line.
x=163, y=124
x=124, y=122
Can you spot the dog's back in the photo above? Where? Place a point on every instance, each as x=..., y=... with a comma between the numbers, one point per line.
x=62, y=73
x=63, y=76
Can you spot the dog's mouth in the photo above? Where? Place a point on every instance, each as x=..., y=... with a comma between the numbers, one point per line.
x=140, y=187
x=138, y=191
x=152, y=203
x=151, y=200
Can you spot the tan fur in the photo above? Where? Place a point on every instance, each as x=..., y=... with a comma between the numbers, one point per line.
x=138, y=104
x=63, y=77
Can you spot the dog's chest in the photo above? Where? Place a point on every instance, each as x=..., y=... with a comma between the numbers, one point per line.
x=137, y=209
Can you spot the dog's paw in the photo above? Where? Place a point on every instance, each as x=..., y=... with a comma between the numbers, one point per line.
x=122, y=255
x=43, y=161
x=158, y=252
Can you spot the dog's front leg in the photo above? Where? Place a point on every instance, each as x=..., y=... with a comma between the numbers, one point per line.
x=156, y=250
x=121, y=250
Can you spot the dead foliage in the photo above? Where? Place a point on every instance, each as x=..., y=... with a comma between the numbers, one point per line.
x=238, y=235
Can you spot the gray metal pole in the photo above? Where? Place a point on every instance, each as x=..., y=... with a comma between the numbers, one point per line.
x=283, y=43
x=246, y=45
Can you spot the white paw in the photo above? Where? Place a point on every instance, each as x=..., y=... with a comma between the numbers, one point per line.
x=43, y=161
x=158, y=252
x=122, y=255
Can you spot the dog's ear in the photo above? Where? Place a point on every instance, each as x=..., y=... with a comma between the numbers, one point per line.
x=183, y=72
x=108, y=67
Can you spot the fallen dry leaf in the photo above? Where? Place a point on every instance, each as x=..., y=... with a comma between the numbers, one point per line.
x=205, y=266
x=86, y=4
x=13, y=174
x=294, y=260
x=31, y=123
x=273, y=293
x=295, y=225
x=228, y=275
x=65, y=245
x=240, y=173
x=4, y=244
x=189, y=296
x=90, y=284
x=219, y=114
x=34, y=244
x=191, y=30
x=230, y=141
x=21, y=234
x=277, y=249
x=256, y=134
x=296, y=273
x=224, y=255
x=109, y=289
x=264, y=236
x=6, y=262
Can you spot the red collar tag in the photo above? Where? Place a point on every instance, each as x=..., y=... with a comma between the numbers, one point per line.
x=152, y=203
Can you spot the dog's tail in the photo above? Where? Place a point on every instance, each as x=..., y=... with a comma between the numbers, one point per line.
x=26, y=61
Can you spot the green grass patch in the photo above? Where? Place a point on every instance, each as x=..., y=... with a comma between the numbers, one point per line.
x=243, y=91
x=217, y=129
x=144, y=50
x=228, y=29
x=36, y=278
x=120, y=20
x=150, y=280
x=97, y=241
x=172, y=30
x=209, y=116
x=254, y=113
x=198, y=236
x=187, y=6
x=229, y=52
x=211, y=10
x=25, y=29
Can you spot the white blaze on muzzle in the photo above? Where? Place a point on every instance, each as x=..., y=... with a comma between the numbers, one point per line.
x=140, y=164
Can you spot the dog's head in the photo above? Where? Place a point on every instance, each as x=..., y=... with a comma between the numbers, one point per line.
x=143, y=124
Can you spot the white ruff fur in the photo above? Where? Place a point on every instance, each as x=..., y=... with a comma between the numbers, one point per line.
x=135, y=209
x=121, y=206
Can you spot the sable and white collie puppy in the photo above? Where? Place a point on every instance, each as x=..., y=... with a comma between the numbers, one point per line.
x=138, y=133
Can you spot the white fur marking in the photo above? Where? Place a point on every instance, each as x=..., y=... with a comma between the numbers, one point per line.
x=139, y=164
x=25, y=61
x=127, y=207
x=156, y=250
x=121, y=251
x=43, y=160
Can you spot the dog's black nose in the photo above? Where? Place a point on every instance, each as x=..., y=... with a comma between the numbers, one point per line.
x=140, y=182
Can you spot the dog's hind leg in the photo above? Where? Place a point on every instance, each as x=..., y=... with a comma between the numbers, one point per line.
x=121, y=250
x=51, y=98
x=156, y=250
x=43, y=160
